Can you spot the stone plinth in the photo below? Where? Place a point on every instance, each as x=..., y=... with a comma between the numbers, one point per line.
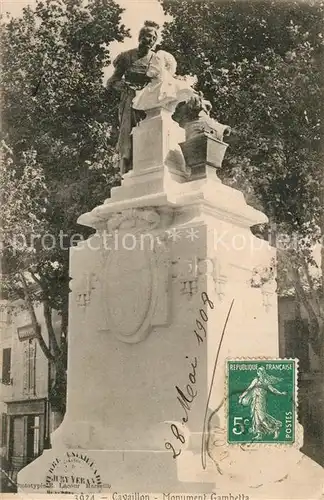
x=144, y=294
x=158, y=163
x=166, y=254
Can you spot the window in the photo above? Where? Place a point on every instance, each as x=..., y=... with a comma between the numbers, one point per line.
x=6, y=366
x=36, y=436
x=3, y=431
x=297, y=342
x=5, y=314
x=30, y=367
x=33, y=437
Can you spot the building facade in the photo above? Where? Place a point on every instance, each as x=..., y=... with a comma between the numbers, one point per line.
x=26, y=417
x=294, y=343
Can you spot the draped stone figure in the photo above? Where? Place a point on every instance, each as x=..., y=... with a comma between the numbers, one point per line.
x=130, y=74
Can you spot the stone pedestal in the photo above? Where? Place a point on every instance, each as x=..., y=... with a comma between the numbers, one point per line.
x=143, y=336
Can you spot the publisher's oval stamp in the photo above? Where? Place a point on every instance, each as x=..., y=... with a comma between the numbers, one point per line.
x=75, y=472
x=261, y=401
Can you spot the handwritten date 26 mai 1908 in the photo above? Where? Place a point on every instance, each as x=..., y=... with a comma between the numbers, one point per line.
x=186, y=397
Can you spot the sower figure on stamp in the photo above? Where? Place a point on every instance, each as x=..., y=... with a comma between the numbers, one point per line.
x=256, y=397
x=130, y=75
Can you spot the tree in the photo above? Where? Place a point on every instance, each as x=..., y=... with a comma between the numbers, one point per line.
x=57, y=151
x=260, y=65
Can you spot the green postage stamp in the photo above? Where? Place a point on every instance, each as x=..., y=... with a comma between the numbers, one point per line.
x=261, y=400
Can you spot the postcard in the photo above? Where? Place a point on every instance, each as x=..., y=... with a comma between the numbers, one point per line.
x=161, y=250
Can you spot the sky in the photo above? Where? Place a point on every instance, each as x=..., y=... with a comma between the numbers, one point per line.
x=136, y=12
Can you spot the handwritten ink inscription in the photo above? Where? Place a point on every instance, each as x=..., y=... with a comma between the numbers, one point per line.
x=187, y=395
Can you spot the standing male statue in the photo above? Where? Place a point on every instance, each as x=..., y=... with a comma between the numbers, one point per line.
x=130, y=75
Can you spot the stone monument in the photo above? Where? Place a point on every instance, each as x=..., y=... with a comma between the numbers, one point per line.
x=162, y=294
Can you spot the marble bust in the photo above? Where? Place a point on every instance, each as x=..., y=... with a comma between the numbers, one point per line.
x=165, y=90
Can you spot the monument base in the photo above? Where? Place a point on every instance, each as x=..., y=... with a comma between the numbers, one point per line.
x=101, y=472
x=283, y=474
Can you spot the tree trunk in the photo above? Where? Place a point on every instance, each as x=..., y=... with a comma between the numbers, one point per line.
x=57, y=392
x=53, y=352
x=30, y=307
